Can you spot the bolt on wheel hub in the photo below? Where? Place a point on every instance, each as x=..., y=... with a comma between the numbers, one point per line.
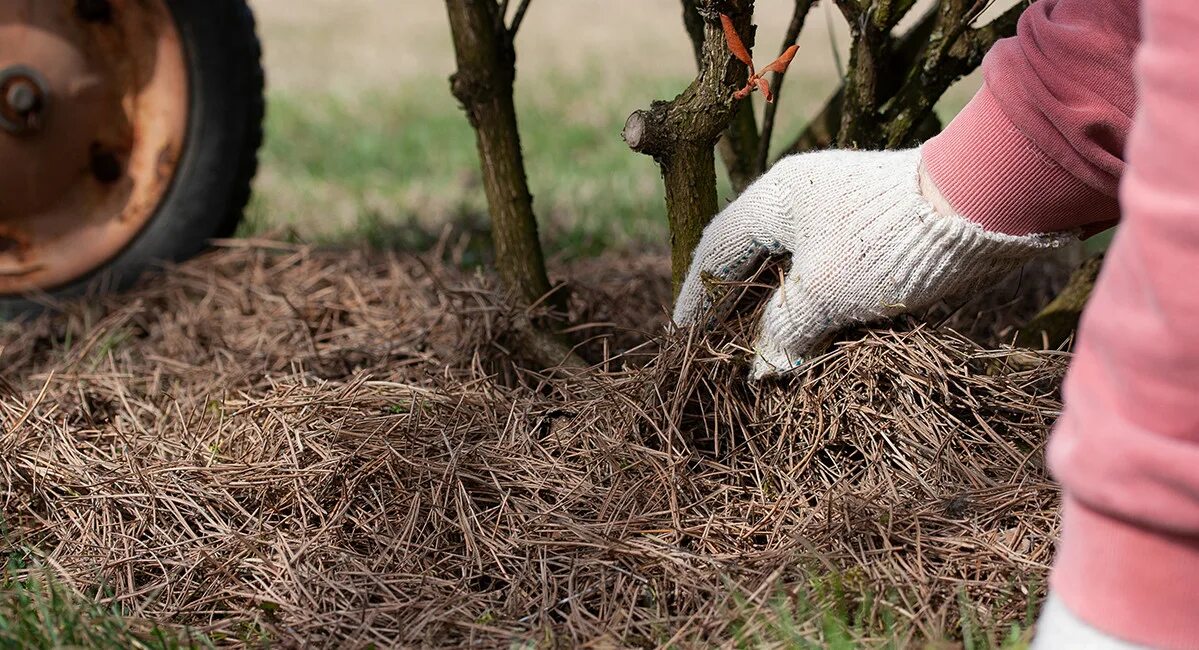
x=93, y=121
x=22, y=99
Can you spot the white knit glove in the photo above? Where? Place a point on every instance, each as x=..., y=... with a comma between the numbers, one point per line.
x=1058, y=628
x=865, y=244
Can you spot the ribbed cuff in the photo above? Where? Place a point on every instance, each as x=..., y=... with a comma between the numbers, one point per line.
x=1138, y=585
x=995, y=176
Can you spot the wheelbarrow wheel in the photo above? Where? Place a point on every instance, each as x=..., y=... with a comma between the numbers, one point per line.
x=129, y=137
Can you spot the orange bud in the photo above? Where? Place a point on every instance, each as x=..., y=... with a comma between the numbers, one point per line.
x=734, y=41
x=780, y=64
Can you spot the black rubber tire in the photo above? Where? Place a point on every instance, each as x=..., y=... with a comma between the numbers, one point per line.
x=208, y=195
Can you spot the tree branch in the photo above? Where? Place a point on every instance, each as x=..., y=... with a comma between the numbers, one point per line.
x=953, y=51
x=681, y=134
x=888, y=13
x=776, y=83
x=739, y=145
x=1058, y=320
x=483, y=84
x=694, y=24
x=518, y=18
x=908, y=52
x=851, y=9
x=982, y=38
x=868, y=66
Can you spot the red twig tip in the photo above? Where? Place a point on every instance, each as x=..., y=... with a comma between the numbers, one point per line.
x=734, y=41
x=756, y=79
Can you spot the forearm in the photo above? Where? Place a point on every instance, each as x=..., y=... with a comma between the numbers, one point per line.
x=1040, y=148
x=1127, y=446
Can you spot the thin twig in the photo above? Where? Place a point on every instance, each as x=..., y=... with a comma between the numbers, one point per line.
x=503, y=13
x=960, y=50
x=838, y=64
x=518, y=18
x=776, y=82
x=851, y=9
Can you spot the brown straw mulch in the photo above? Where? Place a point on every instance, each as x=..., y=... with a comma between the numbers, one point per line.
x=337, y=449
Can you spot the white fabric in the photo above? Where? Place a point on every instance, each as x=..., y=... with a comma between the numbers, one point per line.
x=1058, y=629
x=865, y=246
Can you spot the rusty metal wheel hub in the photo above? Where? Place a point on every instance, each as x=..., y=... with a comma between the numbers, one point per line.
x=23, y=95
x=93, y=119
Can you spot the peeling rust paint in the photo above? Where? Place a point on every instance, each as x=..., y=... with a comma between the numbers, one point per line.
x=79, y=189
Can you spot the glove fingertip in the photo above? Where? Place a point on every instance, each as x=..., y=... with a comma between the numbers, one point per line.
x=760, y=369
x=765, y=365
x=684, y=313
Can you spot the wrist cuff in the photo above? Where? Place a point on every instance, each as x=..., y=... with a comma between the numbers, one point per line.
x=996, y=177
x=1136, y=584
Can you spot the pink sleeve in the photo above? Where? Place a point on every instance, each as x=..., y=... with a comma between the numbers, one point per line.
x=1040, y=148
x=1126, y=448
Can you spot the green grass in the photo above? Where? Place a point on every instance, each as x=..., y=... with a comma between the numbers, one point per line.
x=37, y=613
x=835, y=612
x=828, y=612
x=389, y=169
x=831, y=611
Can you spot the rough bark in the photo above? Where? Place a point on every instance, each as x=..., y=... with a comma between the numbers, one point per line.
x=896, y=109
x=861, y=93
x=886, y=101
x=483, y=84
x=953, y=50
x=822, y=130
x=681, y=134
x=739, y=144
x=739, y=148
x=690, y=180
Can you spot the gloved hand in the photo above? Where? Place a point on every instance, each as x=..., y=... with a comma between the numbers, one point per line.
x=866, y=244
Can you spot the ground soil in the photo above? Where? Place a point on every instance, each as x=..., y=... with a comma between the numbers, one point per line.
x=344, y=448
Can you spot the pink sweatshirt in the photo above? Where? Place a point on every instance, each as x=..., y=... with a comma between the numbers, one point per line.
x=1049, y=144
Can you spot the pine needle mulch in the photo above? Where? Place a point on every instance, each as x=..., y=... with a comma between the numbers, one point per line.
x=341, y=449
